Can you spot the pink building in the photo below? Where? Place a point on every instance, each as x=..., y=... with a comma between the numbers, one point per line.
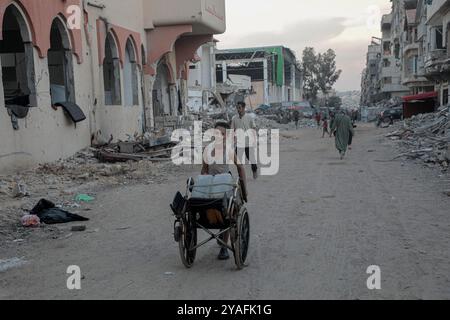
x=121, y=65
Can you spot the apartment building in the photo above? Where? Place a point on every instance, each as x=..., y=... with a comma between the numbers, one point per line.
x=437, y=49
x=414, y=45
x=415, y=54
x=370, y=89
x=75, y=69
x=392, y=45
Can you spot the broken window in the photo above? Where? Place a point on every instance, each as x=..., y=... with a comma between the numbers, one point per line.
x=130, y=76
x=16, y=53
x=60, y=65
x=438, y=38
x=397, y=51
x=387, y=48
x=161, y=92
x=111, y=73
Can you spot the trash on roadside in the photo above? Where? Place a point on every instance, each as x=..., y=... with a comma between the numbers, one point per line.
x=30, y=221
x=49, y=214
x=84, y=198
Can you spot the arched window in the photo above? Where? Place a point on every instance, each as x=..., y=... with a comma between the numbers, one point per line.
x=60, y=64
x=17, y=62
x=161, y=92
x=111, y=73
x=131, y=86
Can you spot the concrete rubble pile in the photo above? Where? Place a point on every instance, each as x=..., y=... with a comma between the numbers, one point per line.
x=426, y=137
x=370, y=114
x=271, y=122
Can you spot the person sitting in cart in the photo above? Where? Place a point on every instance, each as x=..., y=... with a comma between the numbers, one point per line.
x=217, y=169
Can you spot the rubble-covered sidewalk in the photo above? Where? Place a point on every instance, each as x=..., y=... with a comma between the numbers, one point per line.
x=425, y=137
x=63, y=181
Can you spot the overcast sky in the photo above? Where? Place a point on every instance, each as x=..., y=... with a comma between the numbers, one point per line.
x=343, y=25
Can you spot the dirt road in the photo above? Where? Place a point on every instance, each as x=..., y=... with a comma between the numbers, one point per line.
x=316, y=228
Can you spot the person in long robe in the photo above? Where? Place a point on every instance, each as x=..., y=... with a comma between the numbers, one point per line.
x=343, y=128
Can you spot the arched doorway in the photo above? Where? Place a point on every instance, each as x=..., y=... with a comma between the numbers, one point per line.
x=111, y=72
x=60, y=64
x=16, y=53
x=161, y=92
x=130, y=75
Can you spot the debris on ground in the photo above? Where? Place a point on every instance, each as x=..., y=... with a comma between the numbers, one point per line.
x=30, y=221
x=425, y=137
x=8, y=264
x=48, y=213
x=18, y=190
x=84, y=198
x=140, y=159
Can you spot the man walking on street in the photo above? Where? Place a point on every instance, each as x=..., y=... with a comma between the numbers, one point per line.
x=244, y=122
x=296, y=118
x=343, y=128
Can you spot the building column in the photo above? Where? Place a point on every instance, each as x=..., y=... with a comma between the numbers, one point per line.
x=224, y=71
x=148, y=93
x=213, y=68
x=266, y=83
x=283, y=88
x=293, y=82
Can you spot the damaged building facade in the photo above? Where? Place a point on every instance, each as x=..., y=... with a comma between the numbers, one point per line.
x=371, y=75
x=76, y=70
x=274, y=73
x=414, y=52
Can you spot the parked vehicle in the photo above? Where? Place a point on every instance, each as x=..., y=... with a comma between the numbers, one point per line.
x=263, y=109
x=388, y=116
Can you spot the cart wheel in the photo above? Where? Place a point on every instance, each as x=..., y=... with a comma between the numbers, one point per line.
x=188, y=240
x=242, y=240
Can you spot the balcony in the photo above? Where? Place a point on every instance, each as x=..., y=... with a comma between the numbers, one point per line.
x=205, y=16
x=410, y=46
x=437, y=64
x=386, y=21
x=394, y=88
x=435, y=58
x=436, y=10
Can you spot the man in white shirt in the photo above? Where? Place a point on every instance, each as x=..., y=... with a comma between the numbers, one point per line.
x=245, y=122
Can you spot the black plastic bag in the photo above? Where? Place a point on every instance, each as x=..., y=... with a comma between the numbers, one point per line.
x=49, y=214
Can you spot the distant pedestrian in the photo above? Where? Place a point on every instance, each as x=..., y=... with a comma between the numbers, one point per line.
x=296, y=118
x=325, y=128
x=332, y=117
x=343, y=128
x=318, y=119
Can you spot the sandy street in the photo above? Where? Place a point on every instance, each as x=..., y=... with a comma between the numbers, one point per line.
x=316, y=228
